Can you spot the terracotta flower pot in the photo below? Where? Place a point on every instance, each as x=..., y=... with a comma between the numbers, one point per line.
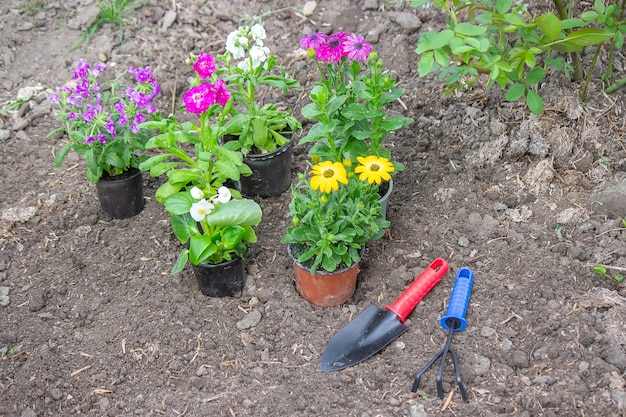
x=325, y=289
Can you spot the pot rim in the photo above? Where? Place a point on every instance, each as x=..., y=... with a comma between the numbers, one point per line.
x=318, y=272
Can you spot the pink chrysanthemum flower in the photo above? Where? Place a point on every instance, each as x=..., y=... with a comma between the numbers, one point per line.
x=200, y=98
x=332, y=50
x=313, y=40
x=356, y=48
x=205, y=65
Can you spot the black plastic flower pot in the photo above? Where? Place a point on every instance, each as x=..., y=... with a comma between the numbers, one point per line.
x=221, y=280
x=121, y=196
x=271, y=172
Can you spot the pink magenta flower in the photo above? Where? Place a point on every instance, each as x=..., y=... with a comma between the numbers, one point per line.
x=199, y=98
x=332, y=50
x=222, y=95
x=313, y=40
x=205, y=65
x=357, y=48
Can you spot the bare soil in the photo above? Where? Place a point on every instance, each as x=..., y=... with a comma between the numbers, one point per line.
x=94, y=324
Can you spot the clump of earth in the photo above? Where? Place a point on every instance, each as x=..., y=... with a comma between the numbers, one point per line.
x=93, y=323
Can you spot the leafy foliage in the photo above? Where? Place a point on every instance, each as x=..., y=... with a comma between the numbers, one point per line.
x=512, y=46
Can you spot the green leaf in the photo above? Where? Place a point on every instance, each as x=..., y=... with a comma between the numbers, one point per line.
x=619, y=39
x=534, y=102
x=503, y=6
x=235, y=212
x=184, y=226
x=468, y=29
x=535, y=75
x=599, y=270
x=577, y=40
x=167, y=189
x=227, y=169
x=181, y=261
x=589, y=15
x=515, y=92
x=183, y=176
x=599, y=6
x=62, y=154
x=441, y=39
x=426, y=63
x=231, y=236
x=550, y=25
x=179, y=203
x=200, y=248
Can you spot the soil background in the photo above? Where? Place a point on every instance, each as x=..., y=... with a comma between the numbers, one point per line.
x=92, y=323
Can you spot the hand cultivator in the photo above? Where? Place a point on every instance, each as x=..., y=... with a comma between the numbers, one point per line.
x=453, y=321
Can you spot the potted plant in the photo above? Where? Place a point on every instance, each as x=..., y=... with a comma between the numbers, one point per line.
x=334, y=214
x=213, y=222
x=102, y=120
x=264, y=133
x=348, y=103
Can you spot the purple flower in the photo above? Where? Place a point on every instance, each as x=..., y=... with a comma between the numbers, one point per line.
x=81, y=70
x=200, y=98
x=90, y=140
x=123, y=119
x=313, y=40
x=98, y=69
x=76, y=101
x=139, y=118
x=72, y=115
x=119, y=107
x=332, y=50
x=54, y=98
x=110, y=126
x=141, y=76
x=102, y=139
x=357, y=48
x=89, y=114
x=204, y=65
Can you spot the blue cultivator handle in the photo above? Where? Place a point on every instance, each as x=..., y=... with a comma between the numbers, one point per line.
x=459, y=299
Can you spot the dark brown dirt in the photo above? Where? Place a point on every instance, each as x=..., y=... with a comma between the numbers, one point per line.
x=94, y=324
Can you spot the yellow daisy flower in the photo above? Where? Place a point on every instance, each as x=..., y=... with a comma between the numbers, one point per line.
x=374, y=169
x=327, y=175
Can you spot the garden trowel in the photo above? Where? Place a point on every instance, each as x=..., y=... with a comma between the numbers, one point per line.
x=375, y=328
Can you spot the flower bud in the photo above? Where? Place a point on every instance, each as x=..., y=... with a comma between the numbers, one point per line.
x=315, y=159
x=324, y=199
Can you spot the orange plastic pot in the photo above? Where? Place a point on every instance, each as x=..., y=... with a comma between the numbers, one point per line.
x=325, y=289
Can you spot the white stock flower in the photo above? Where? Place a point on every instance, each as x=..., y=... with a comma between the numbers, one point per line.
x=258, y=32
x=223, y=194
x=200, y=209
x=259, y=55
x=234, y=46
x=196, y=193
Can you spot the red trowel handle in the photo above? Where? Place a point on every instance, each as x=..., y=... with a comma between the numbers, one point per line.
x=425, y=282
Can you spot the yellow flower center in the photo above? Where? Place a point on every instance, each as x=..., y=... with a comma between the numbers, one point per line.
x=201, y=211
x=374, y=167
x=329, y=173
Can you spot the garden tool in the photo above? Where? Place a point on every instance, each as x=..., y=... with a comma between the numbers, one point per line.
x=375, y=328
x=453, y=321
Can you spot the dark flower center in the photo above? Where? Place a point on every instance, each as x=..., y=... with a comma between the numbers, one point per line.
x=374, y=167
x=333, y=42
x=329, y=173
